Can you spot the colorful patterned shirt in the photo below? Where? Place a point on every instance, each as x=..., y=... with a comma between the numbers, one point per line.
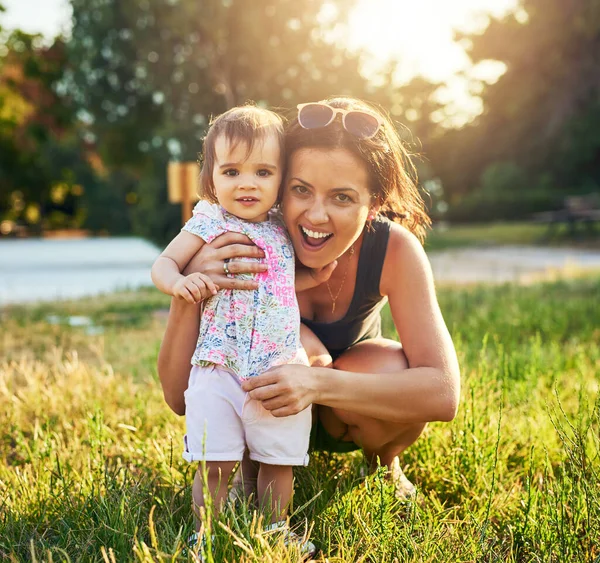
x=249, y=331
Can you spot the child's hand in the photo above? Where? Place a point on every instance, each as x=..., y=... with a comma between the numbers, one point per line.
x=194, y=288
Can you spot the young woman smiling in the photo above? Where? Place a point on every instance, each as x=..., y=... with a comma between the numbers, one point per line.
x=347, y=171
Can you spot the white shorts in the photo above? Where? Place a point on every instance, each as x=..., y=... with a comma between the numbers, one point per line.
x=222, y=421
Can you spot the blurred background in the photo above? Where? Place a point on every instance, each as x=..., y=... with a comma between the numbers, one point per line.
x=499, y=100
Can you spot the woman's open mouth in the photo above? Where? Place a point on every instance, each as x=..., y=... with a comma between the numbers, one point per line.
x=314, y=240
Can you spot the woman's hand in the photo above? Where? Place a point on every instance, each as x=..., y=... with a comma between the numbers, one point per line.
x=225, y=249
x=283, y=390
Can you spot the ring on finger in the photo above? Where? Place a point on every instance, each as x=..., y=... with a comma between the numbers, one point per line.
x=226, y=269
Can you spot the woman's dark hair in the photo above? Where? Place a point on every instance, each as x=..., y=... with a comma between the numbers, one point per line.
x=392, y=175
x=243, y=124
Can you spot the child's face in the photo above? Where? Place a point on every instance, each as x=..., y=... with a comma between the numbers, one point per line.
x=247, y=185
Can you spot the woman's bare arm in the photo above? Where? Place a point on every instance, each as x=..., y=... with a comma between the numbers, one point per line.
x=181, y=334
x=176, y=350
x=431, y=385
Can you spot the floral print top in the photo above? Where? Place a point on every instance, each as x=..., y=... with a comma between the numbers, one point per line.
x=249, y=331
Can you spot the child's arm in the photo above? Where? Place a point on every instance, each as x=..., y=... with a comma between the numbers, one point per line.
x=166, y=271
x=306, y=278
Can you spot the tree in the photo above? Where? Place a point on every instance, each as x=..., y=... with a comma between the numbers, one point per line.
x=148, y=74
x=37, y=155
x=542, y=115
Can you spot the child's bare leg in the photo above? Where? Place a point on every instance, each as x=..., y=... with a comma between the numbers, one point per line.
x=218, y=478
x=245, y=479
x=247, y=476
x=275, y=487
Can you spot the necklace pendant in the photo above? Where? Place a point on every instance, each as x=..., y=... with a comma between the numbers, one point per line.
x=334, y=299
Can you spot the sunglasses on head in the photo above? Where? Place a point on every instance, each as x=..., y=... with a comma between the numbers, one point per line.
x=359, y=123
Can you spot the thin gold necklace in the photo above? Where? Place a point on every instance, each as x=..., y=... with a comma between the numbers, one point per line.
x=334, y=299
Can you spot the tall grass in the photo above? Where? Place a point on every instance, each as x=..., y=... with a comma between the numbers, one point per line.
x=501, y=233
x=91, y=457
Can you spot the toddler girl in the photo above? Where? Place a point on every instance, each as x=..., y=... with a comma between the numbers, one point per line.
x=242, y=333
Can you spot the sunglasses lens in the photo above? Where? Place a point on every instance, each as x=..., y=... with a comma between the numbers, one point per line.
x=313, y=116
x=361, y=124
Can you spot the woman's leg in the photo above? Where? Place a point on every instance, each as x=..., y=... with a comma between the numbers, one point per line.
x=378, y=438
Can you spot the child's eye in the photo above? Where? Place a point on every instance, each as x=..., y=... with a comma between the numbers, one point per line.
x=231, y=172
x=264, y=172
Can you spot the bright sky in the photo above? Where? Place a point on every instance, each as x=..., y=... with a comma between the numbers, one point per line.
x=36, y=16
x=417, y=32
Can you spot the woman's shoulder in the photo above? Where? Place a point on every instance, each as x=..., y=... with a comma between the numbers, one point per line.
x=402, y=242
x=405, y=259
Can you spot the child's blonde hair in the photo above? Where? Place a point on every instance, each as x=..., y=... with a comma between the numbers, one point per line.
x=244, y=124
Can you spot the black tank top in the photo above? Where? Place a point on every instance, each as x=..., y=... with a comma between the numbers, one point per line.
x=363, y=319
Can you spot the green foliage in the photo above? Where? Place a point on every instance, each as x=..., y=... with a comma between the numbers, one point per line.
x=506, y=193
x=147, y=77
x=135, y=86
x=541, y=117
x=137, y=83
x=42, y=162
x=91, y=467
x=489, y=234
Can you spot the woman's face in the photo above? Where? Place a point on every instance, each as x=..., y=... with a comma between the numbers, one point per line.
x=326, y=201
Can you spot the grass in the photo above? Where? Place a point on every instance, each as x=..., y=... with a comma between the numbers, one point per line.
x=490, y=234
x=91, y=465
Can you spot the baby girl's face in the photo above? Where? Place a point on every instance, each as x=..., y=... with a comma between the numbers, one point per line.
x=247, y=185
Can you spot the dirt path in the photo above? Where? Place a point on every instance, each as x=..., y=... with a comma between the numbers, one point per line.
x=501, y=264
x=46, y=270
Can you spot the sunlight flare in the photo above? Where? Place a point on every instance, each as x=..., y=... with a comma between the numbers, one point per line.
x=420, y=34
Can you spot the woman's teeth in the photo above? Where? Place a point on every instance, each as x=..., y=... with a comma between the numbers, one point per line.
x=314, y=234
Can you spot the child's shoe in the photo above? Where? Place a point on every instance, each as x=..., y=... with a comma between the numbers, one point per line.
x=307, y=548
x=196, y=546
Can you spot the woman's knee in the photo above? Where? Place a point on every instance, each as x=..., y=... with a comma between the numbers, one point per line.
x=378, y=355
x=377, y=437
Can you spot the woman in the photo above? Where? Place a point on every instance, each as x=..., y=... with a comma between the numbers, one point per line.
x=347, y=171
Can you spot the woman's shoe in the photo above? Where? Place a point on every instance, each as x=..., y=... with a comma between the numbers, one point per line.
x=404, y=489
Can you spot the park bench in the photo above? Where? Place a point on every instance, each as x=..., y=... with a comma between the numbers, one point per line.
x=577, y=211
